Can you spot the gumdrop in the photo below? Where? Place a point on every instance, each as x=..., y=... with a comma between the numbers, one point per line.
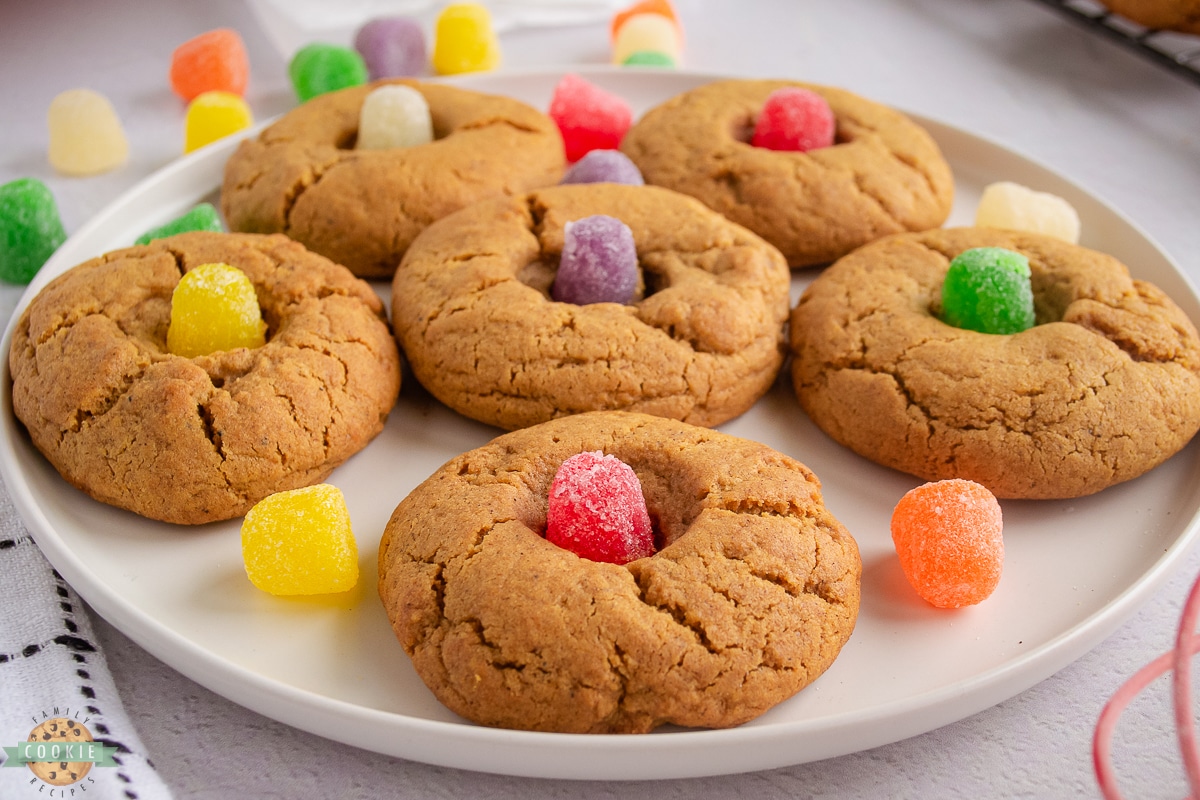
x=394, y=116
x=300, y=542
x=86, y=137
x=597, y=511
x=988, y=289
x=649, y=58
x=647, y=32
x=1016, y=207
x=214, y=308
x=948, y=537
x=392, y=47
x=794, y=119
x=202, y=217
x=30, y=229
x=599, y=262
x=318, y=68
x=660, y=7
x=212, y=116
x=588, y=117
x=604, y=166
x=215, y=61
x=464, y=40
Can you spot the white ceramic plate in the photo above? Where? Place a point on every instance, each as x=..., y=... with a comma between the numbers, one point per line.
x=1075, y=569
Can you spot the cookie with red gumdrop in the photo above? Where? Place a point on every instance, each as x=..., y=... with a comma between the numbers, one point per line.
x=597, y=511
x=948, y=537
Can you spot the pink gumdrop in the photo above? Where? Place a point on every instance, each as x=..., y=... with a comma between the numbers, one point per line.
x=794, y=119
x=597, y=511
x=588, y=117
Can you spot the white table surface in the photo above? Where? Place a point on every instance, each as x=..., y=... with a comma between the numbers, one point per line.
x=1012, y=70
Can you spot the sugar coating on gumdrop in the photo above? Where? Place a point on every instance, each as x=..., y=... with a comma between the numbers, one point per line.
x=300, y=542
x=647, y=33
x=988, y=289
x=86, y=136
x=599, y=262
x=215, y=61
x=1010, y=205
x=214, y=308
x=392, y=47
x=588, y=117
x=597, y=511
x=464, y=40
x=30, y=229
x=604, y=166
x=212, y=116
x=948, y=538
x=394, y=116
x=202, y=217
x=796, y=119
x=318, y=68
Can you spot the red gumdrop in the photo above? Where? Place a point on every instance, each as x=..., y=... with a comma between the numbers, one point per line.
x=215, y=61
x=948, y=539
x=588, y=117
x=794, y=119
x=597, y=511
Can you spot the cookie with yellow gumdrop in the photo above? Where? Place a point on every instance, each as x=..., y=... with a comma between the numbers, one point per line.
x=214, y=308
x=300, y=542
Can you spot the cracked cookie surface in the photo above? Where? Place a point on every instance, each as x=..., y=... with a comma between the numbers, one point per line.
x=752, y=594
x=193, y=440
x=702, y=341
x=303, y=177
x=883, y=175
x=1103, y=388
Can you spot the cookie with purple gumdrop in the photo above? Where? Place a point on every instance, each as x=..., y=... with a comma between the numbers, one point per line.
x=599, y=262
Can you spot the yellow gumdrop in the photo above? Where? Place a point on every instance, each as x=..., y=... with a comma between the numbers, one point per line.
x=212, y=116
x=464, y=40
x=86, y=137
x=214, y=308
x=300, y=542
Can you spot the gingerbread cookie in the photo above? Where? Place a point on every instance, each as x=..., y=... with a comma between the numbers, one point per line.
x=192, y=440
x=752, y=594
x=884, y=174
x=1103, y=388
x=1170, y=15
x=362, y=208
x=702, y=342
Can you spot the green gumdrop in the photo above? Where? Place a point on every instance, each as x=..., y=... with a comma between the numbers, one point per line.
x=30, y=229
x=201, y=218
x=648, y=58
x=318, y=68
x=987, y=289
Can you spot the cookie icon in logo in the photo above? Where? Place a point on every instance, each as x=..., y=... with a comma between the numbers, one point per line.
x=60, y=730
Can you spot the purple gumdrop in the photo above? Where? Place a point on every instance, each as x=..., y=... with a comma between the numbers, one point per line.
x=604, y=166
x=393, y=47
x=599, y=262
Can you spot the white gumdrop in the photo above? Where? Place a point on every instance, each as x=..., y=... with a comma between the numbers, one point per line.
x=394, y=116
x=1016, y=207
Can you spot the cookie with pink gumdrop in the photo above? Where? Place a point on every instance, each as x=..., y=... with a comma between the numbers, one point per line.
x=597, y=511
x=795, y=119
x=948, y=537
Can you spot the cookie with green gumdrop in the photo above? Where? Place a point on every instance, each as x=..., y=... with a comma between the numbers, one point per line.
x=988, y=289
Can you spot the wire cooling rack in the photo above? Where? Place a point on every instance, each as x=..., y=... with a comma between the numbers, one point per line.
x=1178, y=52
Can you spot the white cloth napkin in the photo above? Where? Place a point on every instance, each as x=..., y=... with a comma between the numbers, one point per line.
x=51, y=666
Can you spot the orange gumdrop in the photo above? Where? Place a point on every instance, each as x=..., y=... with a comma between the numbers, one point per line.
x=215, y=61
x=948, y=539
x=660, y=7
